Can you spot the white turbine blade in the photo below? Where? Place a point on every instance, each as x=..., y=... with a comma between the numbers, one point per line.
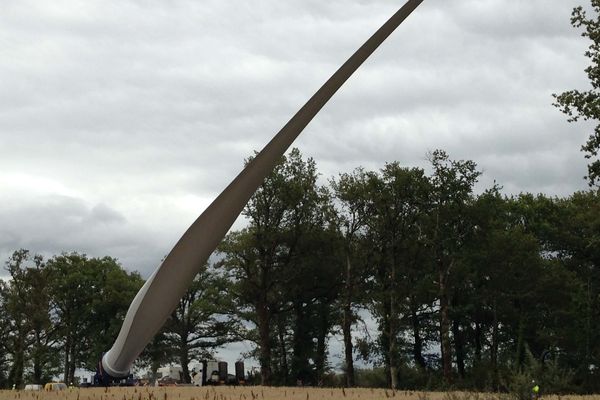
x=159, y=296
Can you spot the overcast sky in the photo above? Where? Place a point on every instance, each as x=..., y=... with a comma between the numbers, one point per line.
x=120, y=121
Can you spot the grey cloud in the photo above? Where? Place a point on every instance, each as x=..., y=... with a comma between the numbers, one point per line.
x=133, y=115
x=51, y=225
x=147, y=109
x=101, y=213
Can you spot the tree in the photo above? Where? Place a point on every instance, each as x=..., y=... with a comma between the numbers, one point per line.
x=31, y=334
x=311, y=292
x=262, y=258
x=71, y=296
x=398, y=204
x=352, y=196
x=199, y=323
x=16, y=306
x=253, y=275
x=42, y=332
x=452, y=187
x=500, y=269
x=112, y=290
x=572, y=234
x=585, y=104
x=4, y=334
x=157, y=353
x=90, y=298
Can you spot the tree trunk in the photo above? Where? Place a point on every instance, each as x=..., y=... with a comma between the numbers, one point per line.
x=36, y=358
x=418, y=341
x=347, y=325
x=16, y=372
x=72, y=358
x=154, y=366
x=71, y=371
x=184, y=360
x=392, y=338
x=446, y=348
x=348, y=347
x=285, y=369
x=520, y=356
x=321, y=343
x=66, y=359
x=459, y=347
x=37, y=366
x=264, y=332
x=494, y=349
x=478, y=342
x=302, y=347
x=385, y=341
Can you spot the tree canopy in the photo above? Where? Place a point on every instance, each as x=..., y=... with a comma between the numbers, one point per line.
x=459, y=289
x=585, y=104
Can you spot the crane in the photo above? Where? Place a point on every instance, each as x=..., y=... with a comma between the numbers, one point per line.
x=160, y=294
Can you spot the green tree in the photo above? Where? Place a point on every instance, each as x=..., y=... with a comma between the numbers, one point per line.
x=200, y=322
x=4, y=334
x=515, y=292
x=397, y=206
x=16, y=307
x=504, y=272
x=572, y=237
x=112, y=291
x=72, y=298
x=90, y=298
x=481, y=285
x=157, y=353
x=27, y=305
x=42, y=332
x=264, y=258
x=311, y=291
x=351, y=193
x=585, y=104
x=452, y=188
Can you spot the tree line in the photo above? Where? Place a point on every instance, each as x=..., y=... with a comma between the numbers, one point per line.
x=475, y=291
x=466, y=290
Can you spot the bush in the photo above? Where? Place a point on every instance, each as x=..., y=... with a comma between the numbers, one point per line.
x=375, y=377
x=551, y=378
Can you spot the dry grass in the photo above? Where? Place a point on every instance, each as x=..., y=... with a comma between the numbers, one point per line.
x=253, y=393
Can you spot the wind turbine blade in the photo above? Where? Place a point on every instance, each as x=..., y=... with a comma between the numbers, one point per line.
x=159, y=296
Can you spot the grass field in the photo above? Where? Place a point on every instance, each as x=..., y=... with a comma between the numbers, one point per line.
x=253, y=393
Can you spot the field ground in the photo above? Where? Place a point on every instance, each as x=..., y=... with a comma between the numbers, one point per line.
x=253, y=393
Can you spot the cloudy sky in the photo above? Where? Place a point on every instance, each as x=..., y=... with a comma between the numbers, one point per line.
x=120, y=121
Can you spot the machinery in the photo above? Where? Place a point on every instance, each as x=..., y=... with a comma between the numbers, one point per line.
x=207, y=372
x=216, y=373
x=157, y=299
x=170, y=375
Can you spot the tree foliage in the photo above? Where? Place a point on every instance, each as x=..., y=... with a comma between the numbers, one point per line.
x=201, y=321
x=457, y=289
x=585, y=104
